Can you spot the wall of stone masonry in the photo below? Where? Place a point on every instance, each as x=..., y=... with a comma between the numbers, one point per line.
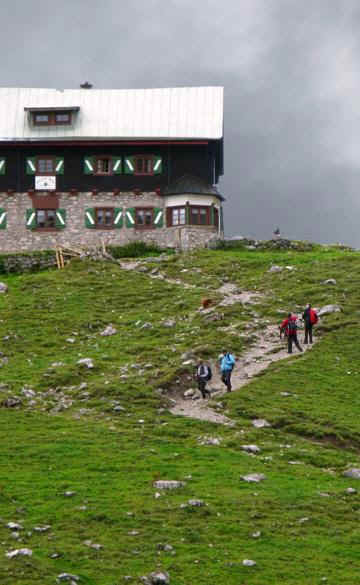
x=17, y=237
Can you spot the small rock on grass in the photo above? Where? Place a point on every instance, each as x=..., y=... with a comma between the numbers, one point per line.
x=354, y=473
x=14, y=526
x=327, y=309
x=251, y=448
x=86, y=362
x=260, y=423
x=68, y=577
x=44, y=528
x=196, y=503
x=3, y=288
x=156, y=578
x=210, y=441
x=24, y=552
x=253, y=477
x=109, y=330
x=93, y=545
x=351, y=491
x=163, y=484
x=248, y=563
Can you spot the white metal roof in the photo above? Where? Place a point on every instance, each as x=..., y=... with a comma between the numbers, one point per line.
x=171, y=113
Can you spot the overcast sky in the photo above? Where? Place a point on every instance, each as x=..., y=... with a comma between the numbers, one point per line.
x=291, y=74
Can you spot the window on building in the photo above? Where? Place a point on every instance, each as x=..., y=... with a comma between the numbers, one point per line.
x=144, y=217
x=41, y=119
x=51, y=118
x=63, y=118
x=104, y=217
x=45, y=165
x=144, y=165
x=199, y=215
x=103, y=166
x=178, y=216
x=45, y=218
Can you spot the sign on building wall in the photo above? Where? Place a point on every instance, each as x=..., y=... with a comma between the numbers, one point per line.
x=45, y=183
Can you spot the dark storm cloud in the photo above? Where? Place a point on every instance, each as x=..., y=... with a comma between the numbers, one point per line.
x=290, y=71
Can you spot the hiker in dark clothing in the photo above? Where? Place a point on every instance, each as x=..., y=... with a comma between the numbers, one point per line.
x=203, y=375
x=227, y=365
x=290, y=327
x=310, y=319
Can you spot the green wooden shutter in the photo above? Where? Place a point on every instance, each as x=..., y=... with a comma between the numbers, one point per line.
x=118, y=217
x=130, y=217
x=59, y=165
x=158, y=217
x=31, y=165
x=187, y=214
x=89, y=165
x=212, y=215
x=129, y=165
x=3, y=219
x=2, y=166
x=30, y=219
x=221, y=219
x=116, y=165
x=157, y=167
x=90, y=217
x=60, y=220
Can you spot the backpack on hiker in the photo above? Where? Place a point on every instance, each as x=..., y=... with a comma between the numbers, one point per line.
x=292, y=327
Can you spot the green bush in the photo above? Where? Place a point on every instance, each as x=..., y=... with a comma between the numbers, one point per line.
x=134, y=250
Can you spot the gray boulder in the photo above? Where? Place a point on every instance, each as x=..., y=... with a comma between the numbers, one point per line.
x=353, y=473
x=329, y=281
x=275, y=268
x=3, y=287
x=328, y=309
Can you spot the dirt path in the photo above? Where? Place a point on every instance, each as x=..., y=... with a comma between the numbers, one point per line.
x=267, y=349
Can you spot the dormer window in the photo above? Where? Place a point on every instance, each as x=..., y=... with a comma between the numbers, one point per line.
x=51, y=116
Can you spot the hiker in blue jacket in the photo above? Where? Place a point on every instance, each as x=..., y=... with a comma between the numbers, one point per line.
x=227, y=365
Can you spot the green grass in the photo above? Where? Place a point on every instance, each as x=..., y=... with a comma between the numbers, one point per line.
x=111, y=460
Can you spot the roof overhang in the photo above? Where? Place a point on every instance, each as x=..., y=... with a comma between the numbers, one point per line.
x=92, y=142
x=53, y=109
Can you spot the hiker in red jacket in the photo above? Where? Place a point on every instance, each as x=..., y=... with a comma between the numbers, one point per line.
x=290, y=327
x=310, y=318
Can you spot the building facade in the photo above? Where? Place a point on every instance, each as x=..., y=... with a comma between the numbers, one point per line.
x=82, y=166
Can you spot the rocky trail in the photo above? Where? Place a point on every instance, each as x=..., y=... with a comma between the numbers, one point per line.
x=267, y=349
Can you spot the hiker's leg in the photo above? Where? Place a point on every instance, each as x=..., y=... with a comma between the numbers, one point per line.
x=297, y=343
x=202, y=388
x=306, y=334
x=228, y=381
x=289, y=343
x=310, y=333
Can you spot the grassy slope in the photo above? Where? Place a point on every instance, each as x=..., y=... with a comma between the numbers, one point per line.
x=110, y=460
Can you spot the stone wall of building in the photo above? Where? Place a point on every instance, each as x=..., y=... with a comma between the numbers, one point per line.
x=17, y=237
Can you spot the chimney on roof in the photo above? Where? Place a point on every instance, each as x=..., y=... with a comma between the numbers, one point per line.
x=86, y=85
